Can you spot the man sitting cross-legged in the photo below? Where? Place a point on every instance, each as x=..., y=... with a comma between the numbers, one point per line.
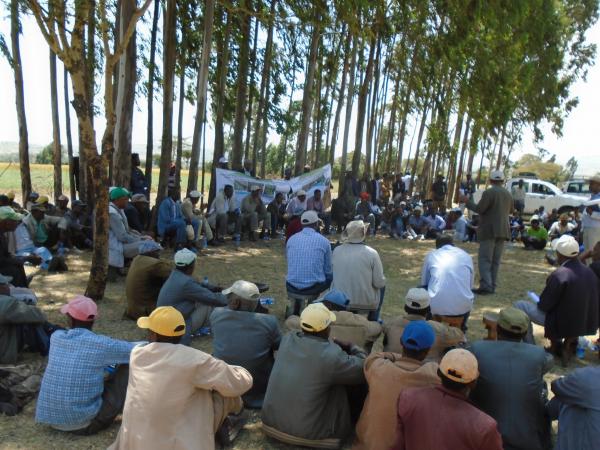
x=354, y=328
x=179, y=397
x=75, y=394
x=145, y=277
x=308, y=398
x=569, y=305
x=388, y=374
x=245, y=337
x=416, y=306
x=511, y=386
x=441, y=417
x=190, y=297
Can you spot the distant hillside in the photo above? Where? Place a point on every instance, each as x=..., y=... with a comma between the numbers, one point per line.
x=9, y=151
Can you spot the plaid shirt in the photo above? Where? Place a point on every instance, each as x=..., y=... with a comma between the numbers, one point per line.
x=308, y=259
x=72, y=386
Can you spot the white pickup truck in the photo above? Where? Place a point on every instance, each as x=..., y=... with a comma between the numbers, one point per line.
x=542, y=193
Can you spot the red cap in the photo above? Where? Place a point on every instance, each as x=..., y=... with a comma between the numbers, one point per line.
x=81, y=308
x=364, y=196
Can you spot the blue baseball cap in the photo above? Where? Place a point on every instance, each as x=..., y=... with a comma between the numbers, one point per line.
x=418, y=335
x=336, y=297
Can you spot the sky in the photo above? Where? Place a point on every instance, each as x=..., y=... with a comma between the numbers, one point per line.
x=580, y=134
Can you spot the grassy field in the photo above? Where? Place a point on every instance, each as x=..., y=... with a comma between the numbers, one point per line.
x=42, y=176
x=264, y=262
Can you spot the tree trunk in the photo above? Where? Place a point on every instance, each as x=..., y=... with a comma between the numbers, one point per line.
x=454, y=154
x=251, y=92
x=349, y=103
x=201, y=88
x=242, y=87
x=125, y=100
x=418, y=148
x=260, y=112
x=461, y=164
x=265, y=129
x=499, y=160
x=392, y=125
x=222, y=43
x=73, y=192
x=169, y=54
x=307, y=99
x=151, y=69
x=56, y=147
x=372, y=114
x=362, y=109
x=15, y=27
x=340, y=102
x=179, y=150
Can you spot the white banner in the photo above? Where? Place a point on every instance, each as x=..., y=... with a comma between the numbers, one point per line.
x=309, y=182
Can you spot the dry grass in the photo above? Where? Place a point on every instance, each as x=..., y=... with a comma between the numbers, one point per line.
x=265, y=262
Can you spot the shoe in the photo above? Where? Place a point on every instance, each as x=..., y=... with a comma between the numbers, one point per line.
x=481, y=291
x=231, y=427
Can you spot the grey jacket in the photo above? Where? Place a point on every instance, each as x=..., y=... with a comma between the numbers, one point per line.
x=306, y=396
x=494, y=208
x=14, y=312
x=511, y=389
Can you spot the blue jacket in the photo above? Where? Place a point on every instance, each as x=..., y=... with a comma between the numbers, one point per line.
x=169, y=213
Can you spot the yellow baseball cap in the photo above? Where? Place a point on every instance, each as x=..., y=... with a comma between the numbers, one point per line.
x=316, y=317
x=460, y=365
x=165, y=320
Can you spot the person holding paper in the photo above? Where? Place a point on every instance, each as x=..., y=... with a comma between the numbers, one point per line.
x=569, y=304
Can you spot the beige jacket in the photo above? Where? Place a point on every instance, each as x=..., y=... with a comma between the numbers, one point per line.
x=348, y=326
x=388, y=374
x=445, y=336
x=169, y=402
x=358, y=273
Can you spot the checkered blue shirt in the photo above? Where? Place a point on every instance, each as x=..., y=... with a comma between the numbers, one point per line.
x=72, y=386
x=308, y=259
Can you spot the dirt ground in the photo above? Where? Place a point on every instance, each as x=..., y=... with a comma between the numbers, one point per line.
x=264, y=262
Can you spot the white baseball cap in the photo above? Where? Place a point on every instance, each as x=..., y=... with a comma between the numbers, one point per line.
x=243, y=289
x=309, y=217
x=566, y=245
x=417, y=298
x=300, y=192
x=255, y=187
x=497, y=175
x=184, y=257
x=195, y=194
x=223, y=160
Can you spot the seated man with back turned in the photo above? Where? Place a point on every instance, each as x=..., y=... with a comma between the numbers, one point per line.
x=308, y=258
x=178, y=397
x=358, y=271
x=569, y=305
x=145, y=278
x=511, y=386
x=388, y=374
x=441, y=417
x=354, y=328
x=190, y=297
x=447, y=275
x=576, y=406
x=244, y=337
x=75, y=395
x=308, y=397
x=416, y=306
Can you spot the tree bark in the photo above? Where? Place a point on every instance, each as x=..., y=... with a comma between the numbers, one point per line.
x=125, y=100
x=362, y=108
x=372, y=114
x=349, y=103
x=242, y=87
x=150, y=89
x=340, y=102
x=307, y=98
x=222, y=43
x=201, y=89
x=15, y=29
x=179, y=150
x=73, y=192
x=500, y=150
x=56, y=147
x=461, y=164
x=392, y=125
x=418, y=148
x=251, y=92
x=169, y=56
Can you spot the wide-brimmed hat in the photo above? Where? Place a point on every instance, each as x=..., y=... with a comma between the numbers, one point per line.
x=355, y=232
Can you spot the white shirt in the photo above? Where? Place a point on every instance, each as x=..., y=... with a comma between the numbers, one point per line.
x=448, y=274
x=295, y=204
x=460, y=229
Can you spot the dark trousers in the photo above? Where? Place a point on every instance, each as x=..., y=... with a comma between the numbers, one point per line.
x=15, y=270
x=536, y=244
x=113, y=401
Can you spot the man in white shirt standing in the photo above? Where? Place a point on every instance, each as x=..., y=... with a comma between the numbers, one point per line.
x=591, y=216
x=448, y=277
